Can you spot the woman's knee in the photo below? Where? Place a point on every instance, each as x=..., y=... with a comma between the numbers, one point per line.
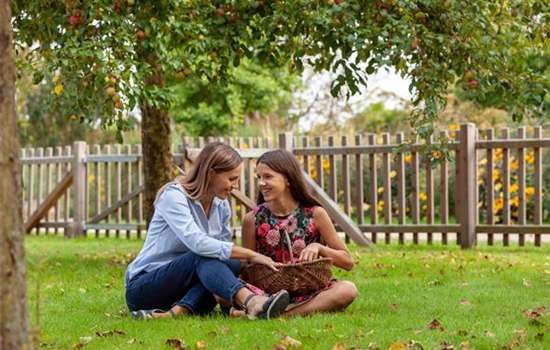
x=234, y=265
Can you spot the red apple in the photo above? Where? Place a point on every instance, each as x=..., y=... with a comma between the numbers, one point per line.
x=468, y=74
x=140, y=34
x=74, y=20
x=472, y=83
x=220, y=12
x=235, y=18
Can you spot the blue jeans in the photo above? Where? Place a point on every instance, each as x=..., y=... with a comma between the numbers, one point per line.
x=190, y=281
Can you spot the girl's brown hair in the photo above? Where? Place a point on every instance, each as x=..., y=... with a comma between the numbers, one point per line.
x=216, y=156
x=286, y=164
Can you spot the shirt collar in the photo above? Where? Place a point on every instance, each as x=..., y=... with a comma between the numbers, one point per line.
x=215, y=202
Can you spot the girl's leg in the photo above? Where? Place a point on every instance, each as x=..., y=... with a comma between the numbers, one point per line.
x=336, y=298
x=219, y=278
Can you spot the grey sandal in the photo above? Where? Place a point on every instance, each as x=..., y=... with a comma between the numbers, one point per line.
x=147, y=314
x=274, y=305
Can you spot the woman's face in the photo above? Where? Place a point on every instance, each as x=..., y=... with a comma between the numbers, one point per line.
x=272, y=184
x=223, y=183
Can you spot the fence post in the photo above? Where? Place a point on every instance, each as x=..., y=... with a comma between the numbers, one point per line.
x=79, y=195
x=467, y=184
x=285, y=141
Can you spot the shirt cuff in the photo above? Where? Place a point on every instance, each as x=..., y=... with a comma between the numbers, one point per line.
x=225, y=250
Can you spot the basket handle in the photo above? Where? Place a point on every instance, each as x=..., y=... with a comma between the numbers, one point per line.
x=289, y=248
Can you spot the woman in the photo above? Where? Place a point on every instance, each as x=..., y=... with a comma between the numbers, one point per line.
x=285, y=204
x=188, y=256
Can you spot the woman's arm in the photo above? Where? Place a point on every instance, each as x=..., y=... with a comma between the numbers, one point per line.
x=248, y=234
x=335, y=248
x=173, y=207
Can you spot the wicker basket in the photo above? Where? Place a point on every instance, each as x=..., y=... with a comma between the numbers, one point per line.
x=297, y=278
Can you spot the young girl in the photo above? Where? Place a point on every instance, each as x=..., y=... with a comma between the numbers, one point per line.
x=285, y=204
x=188, y=256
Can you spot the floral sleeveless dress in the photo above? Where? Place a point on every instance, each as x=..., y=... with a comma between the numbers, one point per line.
x=271, y=240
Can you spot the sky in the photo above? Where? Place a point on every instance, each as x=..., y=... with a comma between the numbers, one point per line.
x=319, y=84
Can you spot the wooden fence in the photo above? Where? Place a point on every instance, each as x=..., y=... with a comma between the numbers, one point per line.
x=494, y=188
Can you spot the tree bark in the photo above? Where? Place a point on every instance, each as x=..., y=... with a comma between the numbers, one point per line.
x=157, y=154
x=14, y=326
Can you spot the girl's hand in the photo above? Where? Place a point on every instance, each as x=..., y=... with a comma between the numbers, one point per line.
x=311, y=252
x=264, y=260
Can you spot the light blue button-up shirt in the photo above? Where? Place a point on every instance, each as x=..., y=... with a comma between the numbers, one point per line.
x=179, y=225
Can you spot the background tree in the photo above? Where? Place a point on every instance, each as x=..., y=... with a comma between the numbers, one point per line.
x=14, y=325
x=118, y=53
x=255, y=92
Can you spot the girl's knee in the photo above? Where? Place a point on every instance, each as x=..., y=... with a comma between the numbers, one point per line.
x=346, y=293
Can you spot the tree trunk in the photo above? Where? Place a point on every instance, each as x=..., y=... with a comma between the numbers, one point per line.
x=157, y=154
x=14, y=326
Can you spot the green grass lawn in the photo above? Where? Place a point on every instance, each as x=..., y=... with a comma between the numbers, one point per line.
x=477, y=297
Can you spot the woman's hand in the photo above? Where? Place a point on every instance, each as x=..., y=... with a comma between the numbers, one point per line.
x=311, y=252
x=258, y=258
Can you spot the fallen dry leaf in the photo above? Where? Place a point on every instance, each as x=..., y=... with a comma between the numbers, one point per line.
x=79, y=345
x=539, y=336
x=511, y=345
x=278, y=347
x=212, y=334
x=464, y=302
x=434, y=324
x=175, y=342
x=224, y=329
x=108, y=333
x=535, y=313
x=521, y=333
x=394, y=306
x=201, y=344
x=398, y=346
x=435, y=283
x=338, y=346
x=131, y=341
x=414, y=345
x=445, y=345
x=291, y=342
x=489, y=334
x=526, y=283
x=465, y=345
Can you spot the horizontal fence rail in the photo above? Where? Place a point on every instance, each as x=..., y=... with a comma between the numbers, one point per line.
x=495, y=189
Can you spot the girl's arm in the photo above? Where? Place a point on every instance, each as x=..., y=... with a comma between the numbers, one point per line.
x=335, y=248
x=248, y=234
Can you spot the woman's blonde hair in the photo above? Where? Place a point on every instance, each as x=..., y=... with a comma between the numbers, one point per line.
x=216, y=156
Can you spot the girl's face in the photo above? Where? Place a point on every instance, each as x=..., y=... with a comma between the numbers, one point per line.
x=272, y=184
x=223, y=183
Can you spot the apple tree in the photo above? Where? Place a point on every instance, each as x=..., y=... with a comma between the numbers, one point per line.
x=110, y=56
